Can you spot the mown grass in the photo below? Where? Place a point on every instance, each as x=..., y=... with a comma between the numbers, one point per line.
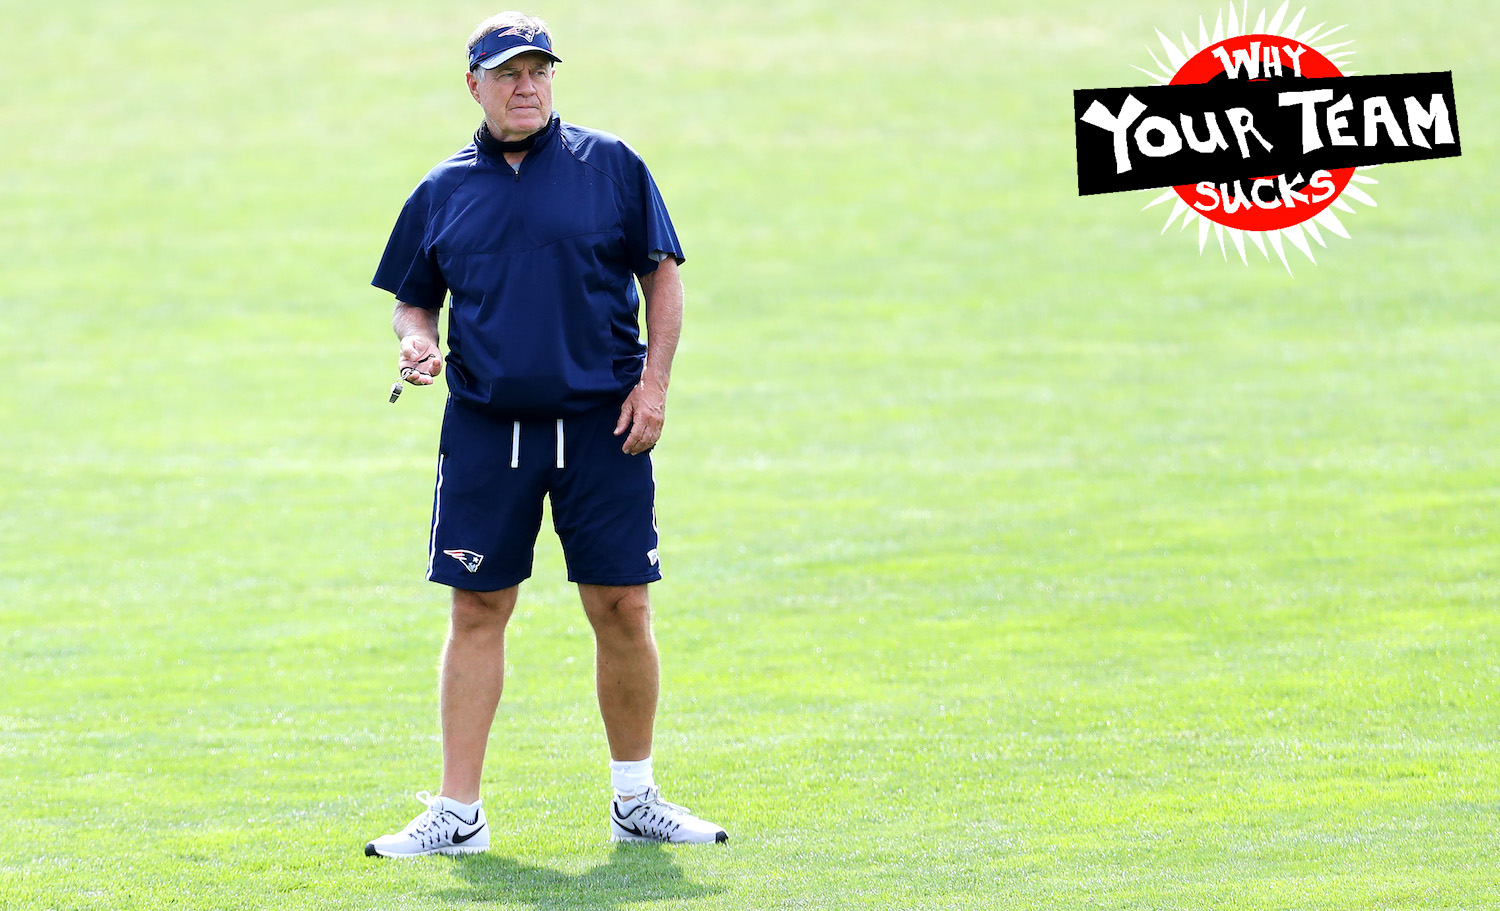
x=1017, y=556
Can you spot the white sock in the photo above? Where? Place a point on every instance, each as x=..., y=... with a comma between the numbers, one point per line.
x=460, y=805
x=631, y=779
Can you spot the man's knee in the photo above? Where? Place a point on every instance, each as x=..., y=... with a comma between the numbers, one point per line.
x=622, y=610
x=478, y=612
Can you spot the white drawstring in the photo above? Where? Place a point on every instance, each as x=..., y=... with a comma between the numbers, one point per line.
x=515, y=444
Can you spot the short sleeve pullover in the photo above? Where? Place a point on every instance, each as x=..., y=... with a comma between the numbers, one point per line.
x=540, y=262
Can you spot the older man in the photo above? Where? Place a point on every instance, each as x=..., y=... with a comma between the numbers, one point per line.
x=540, y=230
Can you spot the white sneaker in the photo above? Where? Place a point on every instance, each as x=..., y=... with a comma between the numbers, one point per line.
x=649, y=818
x=445, y=827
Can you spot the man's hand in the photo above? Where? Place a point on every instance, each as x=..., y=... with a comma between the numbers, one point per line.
x=421, y=360
x=644, y=412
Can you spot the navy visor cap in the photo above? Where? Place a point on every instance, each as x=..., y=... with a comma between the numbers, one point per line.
x=497, y=47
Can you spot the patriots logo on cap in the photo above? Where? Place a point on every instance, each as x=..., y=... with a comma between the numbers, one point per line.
x=468, y=558
x=525, y=31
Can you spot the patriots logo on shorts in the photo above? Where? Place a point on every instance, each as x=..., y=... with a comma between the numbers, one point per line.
x=468, y=558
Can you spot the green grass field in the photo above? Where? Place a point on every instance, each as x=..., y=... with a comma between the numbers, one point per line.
x=1017, y=557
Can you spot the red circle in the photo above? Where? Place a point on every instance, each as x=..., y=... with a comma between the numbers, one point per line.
x=1203, y=67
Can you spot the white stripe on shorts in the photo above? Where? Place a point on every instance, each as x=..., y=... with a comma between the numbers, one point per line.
x=515, y=445
x=437, y=505
x=559, y=443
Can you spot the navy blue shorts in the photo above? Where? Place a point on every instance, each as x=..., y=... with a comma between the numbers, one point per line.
x=487, y=506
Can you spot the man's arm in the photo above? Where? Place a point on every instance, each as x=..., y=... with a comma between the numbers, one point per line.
x=645, y=409
x=417, y=328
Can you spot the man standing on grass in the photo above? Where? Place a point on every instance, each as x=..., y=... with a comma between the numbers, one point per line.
x=540, y=230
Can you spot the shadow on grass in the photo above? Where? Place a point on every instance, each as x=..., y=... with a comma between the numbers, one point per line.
x=633, y=875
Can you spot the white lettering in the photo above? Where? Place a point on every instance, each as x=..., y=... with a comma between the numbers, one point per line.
x=1100, y=117
x=1206, y=189
x=1436, y=115
x=1322, y=181
x=1284, y=188
x=1255, y=195
x=1296, y=55
x=1216, y=140
x=1233, y=201
x=1250, y=60
x=1337, y=123
x=1377, y=114
x=1273, y=62
x=1170, y=144
x=1243, y=123
x=1309, y=101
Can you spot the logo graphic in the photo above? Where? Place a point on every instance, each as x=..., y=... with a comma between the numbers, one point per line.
x=525, y=31
x=651, y=556
x=622, y=820
x=1255, y=131
x=468, y=558
x=459, y=839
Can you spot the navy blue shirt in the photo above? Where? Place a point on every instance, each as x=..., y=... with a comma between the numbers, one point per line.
x=541, y=262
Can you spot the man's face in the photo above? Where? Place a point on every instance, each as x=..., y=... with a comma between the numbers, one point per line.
x=516, y=95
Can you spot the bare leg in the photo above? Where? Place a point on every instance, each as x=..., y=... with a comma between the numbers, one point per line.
x=627, y=671
x=472, y=677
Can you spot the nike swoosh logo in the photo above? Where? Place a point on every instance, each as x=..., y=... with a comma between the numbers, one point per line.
x=632, y=830
x=615, y=809
x=460, y=839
